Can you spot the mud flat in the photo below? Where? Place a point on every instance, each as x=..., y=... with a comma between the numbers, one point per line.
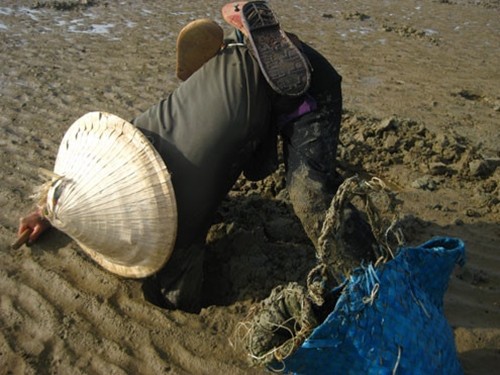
x=421, y=92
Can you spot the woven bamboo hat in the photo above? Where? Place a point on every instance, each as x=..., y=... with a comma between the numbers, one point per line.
x=111, y=192
x=197, y=43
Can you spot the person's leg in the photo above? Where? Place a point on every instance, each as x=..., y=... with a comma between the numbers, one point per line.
x=178, y=284
x=310, y=146
x=206, y=132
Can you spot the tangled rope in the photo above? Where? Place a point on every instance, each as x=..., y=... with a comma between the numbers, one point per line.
x=351, y=187
x=333, y=227
x=279, y=325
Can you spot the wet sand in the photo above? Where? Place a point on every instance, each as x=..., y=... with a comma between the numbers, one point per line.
x=422, y=111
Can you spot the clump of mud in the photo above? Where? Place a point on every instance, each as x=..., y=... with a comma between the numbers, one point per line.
x=407, y=31
x=373, y=144
x=255, y=243
x=65, y=5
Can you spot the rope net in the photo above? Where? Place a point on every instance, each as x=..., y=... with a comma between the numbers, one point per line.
x=276, y=327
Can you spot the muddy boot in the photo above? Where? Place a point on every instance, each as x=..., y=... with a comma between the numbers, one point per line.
x=354, y=245
x=311, y=193
x=284, y=66
x=310, y=147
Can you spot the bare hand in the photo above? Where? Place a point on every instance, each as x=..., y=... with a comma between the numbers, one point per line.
x=35, y=224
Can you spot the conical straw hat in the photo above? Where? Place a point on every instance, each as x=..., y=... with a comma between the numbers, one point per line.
x=198, y=42
x=112, y=194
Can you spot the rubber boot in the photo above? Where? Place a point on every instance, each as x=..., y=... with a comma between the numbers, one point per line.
x=310, y=146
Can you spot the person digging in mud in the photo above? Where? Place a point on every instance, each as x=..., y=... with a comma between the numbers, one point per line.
x=238, y=95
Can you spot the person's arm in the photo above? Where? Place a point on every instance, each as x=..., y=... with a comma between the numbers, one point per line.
x=35, y=224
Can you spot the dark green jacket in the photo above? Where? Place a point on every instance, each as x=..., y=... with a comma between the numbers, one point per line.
x=210, y=129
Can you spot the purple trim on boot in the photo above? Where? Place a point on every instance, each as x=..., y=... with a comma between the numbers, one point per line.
x=308, y=105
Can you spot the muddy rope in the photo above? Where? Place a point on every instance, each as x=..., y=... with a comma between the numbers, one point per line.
x=384, y=234
x=276, y=327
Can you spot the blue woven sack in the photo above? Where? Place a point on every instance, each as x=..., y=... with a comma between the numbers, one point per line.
x=389, y=319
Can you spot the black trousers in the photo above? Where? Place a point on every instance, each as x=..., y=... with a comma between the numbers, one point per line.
x=310, y=150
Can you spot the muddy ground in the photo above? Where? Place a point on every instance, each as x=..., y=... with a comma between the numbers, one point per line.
x=422, y=112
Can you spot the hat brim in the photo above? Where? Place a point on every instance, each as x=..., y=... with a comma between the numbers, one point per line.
x=114, y=196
